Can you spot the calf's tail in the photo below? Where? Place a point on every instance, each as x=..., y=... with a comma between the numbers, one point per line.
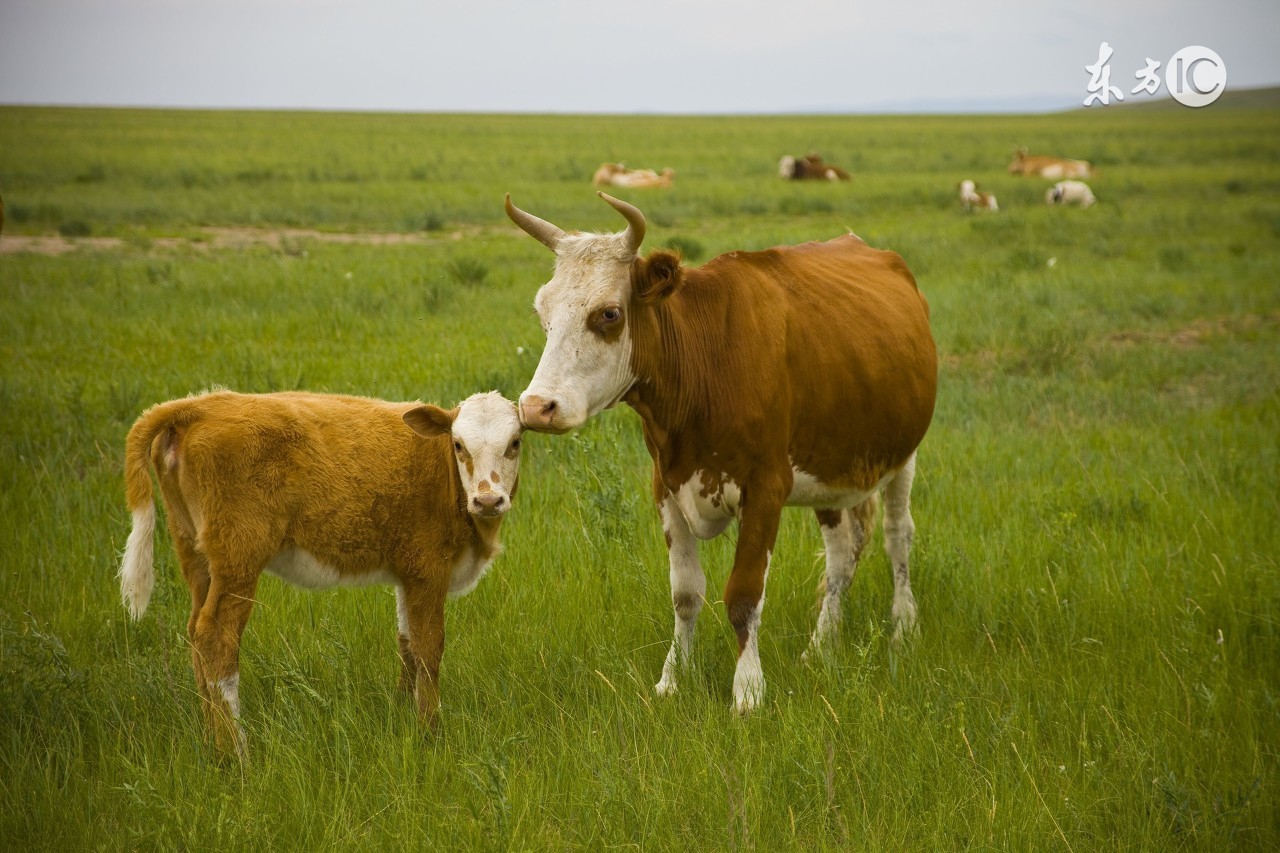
x=137, y=568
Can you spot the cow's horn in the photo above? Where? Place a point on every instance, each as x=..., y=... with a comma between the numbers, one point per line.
x=539, y=229
x=635, y=220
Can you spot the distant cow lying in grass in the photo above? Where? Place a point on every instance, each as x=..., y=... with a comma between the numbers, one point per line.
x=1048, y=167
x=618, y=175
x=1070, y=192
x=321, y=490
x=810, y=167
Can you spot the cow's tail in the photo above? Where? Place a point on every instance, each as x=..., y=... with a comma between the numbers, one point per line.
x=137, y=568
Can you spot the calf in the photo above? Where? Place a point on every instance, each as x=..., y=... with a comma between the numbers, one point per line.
x=321, y=490
x=1048, y=167
x=971, y=197
x=1070, y=192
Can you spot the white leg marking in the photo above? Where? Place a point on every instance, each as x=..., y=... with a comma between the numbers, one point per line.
x=688, y=591
x=229, y=687
x=899, y=530
x=748, y=677
x=843, y=545
x=137, y=570
x=402, y=613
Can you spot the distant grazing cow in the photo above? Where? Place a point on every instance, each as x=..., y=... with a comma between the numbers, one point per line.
x=1048, y=167
x=810, y=167
x=801, y=375
x=1070, y=192
x=971, y=197
x=618, y=175
x=320, y=490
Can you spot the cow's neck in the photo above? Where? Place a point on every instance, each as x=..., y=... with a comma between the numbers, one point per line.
x=673, y=363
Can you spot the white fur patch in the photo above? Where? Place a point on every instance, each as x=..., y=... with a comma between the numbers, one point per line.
x=808, y=490
x=300, y=568
x=229, y=687
x=137, y=570
x=468, y=571
x=708, y=502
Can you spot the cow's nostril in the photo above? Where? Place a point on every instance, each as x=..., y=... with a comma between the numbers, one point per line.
x=549, y=408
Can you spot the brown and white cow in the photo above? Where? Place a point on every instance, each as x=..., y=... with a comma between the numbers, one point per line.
x=810, y=167
x=801, y=375
x=321, y=490
x=1053, y=168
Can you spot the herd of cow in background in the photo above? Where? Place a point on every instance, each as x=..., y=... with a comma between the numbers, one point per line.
x=1068, y=190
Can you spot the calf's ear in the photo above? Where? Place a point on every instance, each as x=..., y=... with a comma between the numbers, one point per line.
x=656, y=277
x=428, y=420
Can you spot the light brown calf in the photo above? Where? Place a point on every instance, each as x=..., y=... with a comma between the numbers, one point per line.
x=320, y=490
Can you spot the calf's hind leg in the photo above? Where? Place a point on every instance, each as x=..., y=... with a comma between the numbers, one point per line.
x=216, y=649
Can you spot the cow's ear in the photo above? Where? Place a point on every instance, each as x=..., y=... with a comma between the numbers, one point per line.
x=656, y=277
x=428, y=420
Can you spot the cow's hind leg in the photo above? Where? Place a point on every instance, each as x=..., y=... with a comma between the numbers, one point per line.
x=844, y=533
x=688, y=591
x=899, y=530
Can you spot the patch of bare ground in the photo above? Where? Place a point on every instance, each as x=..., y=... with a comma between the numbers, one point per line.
x=1198, y=331
x=208, y=239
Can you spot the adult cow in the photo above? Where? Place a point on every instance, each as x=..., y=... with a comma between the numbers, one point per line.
x=801, y=375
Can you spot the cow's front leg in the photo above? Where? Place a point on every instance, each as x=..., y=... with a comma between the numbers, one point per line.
x=688, y=590
x=744, y=591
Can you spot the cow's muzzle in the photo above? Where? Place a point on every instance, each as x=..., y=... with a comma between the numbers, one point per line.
x=542, y=415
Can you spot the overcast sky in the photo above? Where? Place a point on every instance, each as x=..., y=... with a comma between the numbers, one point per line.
x=680, y=56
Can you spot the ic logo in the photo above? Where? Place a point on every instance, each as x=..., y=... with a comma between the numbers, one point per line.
x=1195, y=76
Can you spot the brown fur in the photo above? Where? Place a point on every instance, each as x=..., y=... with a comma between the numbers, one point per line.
x=343, y=478
x=819, y=354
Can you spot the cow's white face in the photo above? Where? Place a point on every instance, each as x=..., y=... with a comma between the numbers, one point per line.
x=586, y=366
x=485, y=431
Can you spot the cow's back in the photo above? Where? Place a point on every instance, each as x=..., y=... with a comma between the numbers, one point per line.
x=847, y=346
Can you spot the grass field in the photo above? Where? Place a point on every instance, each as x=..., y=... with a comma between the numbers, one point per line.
x=1098, y=665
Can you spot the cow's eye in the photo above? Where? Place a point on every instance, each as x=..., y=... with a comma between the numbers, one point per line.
x=611, y=314
x=515, y=445
x=457, y=446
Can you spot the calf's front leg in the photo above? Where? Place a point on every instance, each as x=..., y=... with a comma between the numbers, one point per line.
x=423, y=608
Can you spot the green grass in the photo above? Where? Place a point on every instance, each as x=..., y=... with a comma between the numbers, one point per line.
x=1096, y=556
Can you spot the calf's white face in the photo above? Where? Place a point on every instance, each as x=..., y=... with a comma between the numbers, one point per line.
x=485, y=431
